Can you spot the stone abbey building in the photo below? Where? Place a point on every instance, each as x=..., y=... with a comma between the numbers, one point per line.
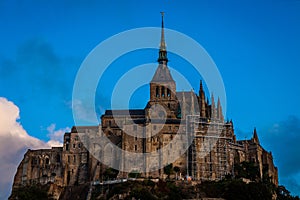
x=182, y=128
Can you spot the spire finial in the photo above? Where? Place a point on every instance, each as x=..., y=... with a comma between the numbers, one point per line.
x=162, y=48
x=162, y=40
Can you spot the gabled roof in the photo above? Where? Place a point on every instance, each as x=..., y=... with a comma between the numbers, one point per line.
x=162, y=74
x=132, y=112
x=82, y=129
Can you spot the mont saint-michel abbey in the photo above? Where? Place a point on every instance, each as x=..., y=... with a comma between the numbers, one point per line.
x=185, y=129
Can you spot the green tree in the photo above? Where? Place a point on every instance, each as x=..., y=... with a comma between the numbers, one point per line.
x=284, y=194
x=33, y=192
x=247, y=170
x=110, y=173
x=168, y=169
x=176, y=170
x=134, y=174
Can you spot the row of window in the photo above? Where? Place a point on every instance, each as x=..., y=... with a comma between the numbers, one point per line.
x=74, y=146
x=39, y=161
x=79, y=145
x=162, y=91
x=74, y=159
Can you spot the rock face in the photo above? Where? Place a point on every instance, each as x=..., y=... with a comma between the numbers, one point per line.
x=40, y=166
x=181, y=128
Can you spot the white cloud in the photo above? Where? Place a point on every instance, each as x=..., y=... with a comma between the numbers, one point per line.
x=56, y=136
x=83, y=112
x=14, y=141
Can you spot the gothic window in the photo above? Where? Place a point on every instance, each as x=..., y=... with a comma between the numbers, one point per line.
x=69, y=158
x=163, y=91
x=33, y=161
x=58, y=158
x=109, y=123
x=157, y=92
x=47, y=161
x=168, y=92
x=79, y=145
x=135, y=147
x=169, y=106
x=74, y=145
x=74, y=158
x=67, y=146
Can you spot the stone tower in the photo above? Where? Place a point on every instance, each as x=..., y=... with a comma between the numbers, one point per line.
x=162, y=85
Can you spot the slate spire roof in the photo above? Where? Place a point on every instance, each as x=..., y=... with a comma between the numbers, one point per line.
x=162, y=73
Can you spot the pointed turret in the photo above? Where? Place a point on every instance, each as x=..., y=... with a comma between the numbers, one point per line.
x=192, y=111
x=219, y=111
x=183, y=104
x=255, y=137
x=213, y=108
x=202, y=101
x=201, y=88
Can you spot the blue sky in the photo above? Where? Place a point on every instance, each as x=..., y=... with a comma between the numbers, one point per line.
x=255, y=44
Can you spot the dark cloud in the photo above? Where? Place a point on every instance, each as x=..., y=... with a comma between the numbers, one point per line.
x=36, y=53
x=283, y=139
x=7, y=68
x=37, y=69
x=41, y=67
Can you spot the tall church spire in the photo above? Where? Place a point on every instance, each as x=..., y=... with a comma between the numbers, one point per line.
x=162, y=59
x=162, y=74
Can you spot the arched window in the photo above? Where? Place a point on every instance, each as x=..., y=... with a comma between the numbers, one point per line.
x=57, y=158
x=47, y=161
x=168, y=92
x=157, y=92
x=67, y=146
x=162, y=91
